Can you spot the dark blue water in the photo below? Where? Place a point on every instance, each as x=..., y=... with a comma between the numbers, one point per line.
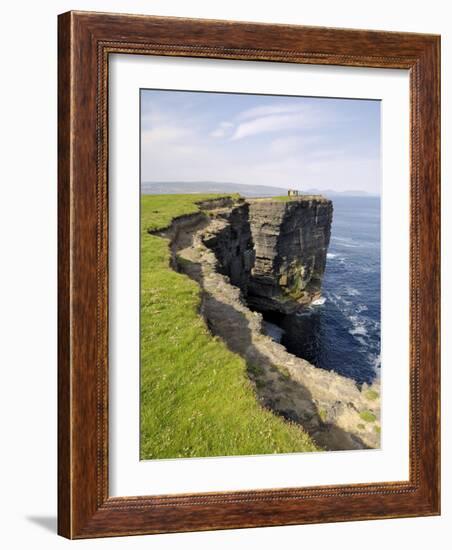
x=343, y=334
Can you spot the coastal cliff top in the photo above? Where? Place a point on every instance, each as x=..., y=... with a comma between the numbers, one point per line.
x=299, y=198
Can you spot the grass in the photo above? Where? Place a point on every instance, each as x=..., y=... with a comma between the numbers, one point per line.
x=196, y=398
x=283, y=198
x=372, y=395
x=286, y=198
x=367, y=416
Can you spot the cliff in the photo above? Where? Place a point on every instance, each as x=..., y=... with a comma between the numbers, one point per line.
x=219, y=248
x=274, y=250
x=290, y=239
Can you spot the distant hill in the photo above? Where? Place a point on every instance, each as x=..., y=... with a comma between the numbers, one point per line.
x=332, y=193
x=173, y=187
x=188, y=187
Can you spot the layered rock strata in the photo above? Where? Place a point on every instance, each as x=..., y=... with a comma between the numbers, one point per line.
x=290, y=242
x=331, y=408
x=233, y=244
x=275, y=251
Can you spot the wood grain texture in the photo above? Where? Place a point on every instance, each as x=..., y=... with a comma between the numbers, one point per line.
x=85, y=42
x=64, y=295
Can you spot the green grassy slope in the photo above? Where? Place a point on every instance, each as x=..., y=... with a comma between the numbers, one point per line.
x=196, y=399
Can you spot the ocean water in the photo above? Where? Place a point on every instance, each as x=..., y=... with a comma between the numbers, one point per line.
x=341, y=332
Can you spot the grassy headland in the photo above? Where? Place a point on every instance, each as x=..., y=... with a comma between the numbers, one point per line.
x=286, y=198
x=196, y=398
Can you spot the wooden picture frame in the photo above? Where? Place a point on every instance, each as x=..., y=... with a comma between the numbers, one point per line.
x=86, y=40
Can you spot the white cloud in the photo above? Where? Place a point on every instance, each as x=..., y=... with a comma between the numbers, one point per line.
x=266, y=110
x=222, y=130
x=265, y=119
x=271, y=123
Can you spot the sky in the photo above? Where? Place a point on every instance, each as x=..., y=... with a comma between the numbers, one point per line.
x=290, y=142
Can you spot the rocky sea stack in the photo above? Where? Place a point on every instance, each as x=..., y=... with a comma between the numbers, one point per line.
x=275, y=250
x=291, y=239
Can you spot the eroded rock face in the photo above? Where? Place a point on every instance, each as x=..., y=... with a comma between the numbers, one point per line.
x=331, y=408
x=290, y=243
x=233, y=244
x=274, y=251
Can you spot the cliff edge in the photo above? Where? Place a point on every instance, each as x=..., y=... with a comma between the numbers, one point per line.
x=275, y=250
x=290, y=239
x=216, y=248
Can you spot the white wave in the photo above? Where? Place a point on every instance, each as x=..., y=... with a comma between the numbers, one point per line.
x=375, y=360
x=360, y=308
x=359, y=330
x=362, y=328
x=319, y=302
x=340, y=301
x=345, y=242
x=338, y=259
x=352, y=291
x=359, y=326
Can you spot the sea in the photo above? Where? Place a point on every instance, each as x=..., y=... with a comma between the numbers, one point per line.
x=341, y=331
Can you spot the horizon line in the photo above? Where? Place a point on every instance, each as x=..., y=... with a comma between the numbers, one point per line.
x=285, y=188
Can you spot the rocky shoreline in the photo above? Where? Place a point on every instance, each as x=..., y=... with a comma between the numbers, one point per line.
x=337, y=413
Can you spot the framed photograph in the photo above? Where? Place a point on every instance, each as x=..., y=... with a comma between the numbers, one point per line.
x=248, y=275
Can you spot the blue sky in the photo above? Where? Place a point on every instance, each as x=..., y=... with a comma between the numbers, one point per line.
x=290, y=142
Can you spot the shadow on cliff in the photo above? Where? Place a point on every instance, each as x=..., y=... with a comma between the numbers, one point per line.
x=275, y=390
